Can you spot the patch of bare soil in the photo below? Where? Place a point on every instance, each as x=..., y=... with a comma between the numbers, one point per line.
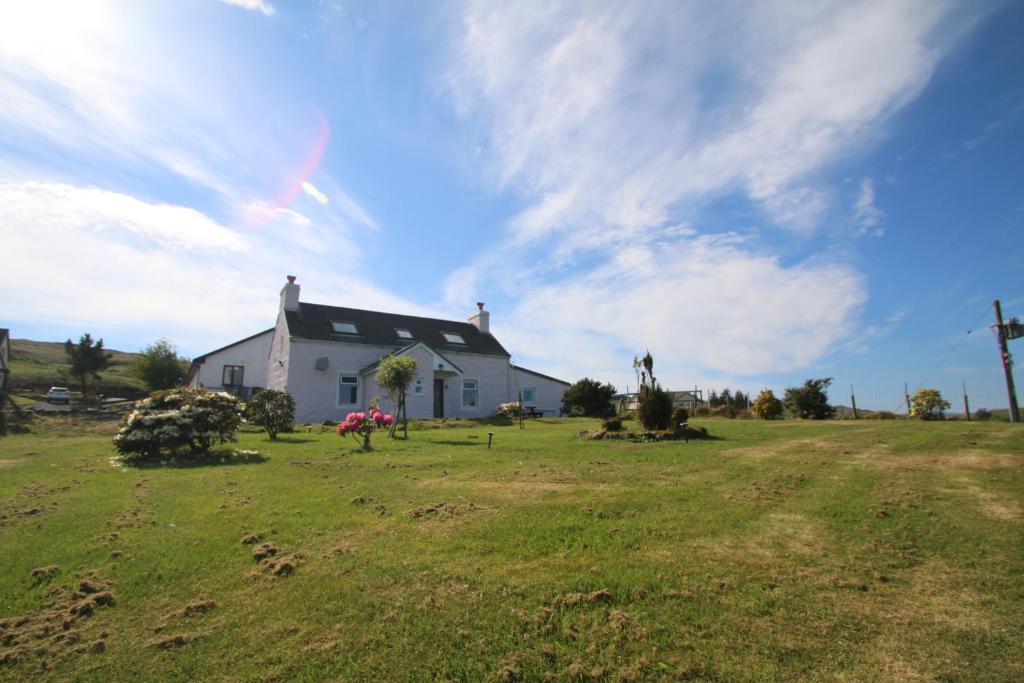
x=43, y=574
x=251, y=539
x=574, y=599
x=440, y=510
x=273, y=561
x=54, y=632
x=966, y=460
x=171, y=642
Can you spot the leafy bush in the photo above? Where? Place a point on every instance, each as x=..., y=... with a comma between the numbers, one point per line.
x=510, y=409
x=680, y=416
x=810, y=402
x=273, y=410
x=928, y=404
x=363, y=425
x=169, y=420
x=743, y=415
x=159, y=366
x=589, y=397
x=612, y=424
x=653, y=404
x=767, y=406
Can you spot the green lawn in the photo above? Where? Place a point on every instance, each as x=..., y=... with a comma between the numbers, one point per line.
x=849, y=551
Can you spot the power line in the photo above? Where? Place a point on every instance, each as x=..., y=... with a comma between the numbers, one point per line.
x=948, y=354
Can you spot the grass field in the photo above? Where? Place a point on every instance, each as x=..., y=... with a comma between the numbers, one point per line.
x=36, y=366
x=821, y=551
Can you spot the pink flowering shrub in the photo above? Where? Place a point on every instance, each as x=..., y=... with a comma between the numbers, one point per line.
x=364, y=424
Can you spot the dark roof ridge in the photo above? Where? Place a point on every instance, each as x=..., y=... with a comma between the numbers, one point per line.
x=538, y=374
x=397, y=315
x=228, y=346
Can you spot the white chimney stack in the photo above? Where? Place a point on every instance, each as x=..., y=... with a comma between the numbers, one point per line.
x=290, y=295
x=481, y=319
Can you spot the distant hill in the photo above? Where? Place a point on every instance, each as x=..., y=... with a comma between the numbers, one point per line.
x=36, y=366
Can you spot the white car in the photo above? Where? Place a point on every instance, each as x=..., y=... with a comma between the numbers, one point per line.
x=58, y=395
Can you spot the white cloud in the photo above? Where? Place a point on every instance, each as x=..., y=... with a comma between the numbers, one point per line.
x=257, y=5
x=868, y=218
x=703, y=303
x=116, y=217
x=611, y=116
x=125, y=267
x=614, y=123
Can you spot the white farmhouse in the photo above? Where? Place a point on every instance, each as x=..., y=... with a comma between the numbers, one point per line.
x=327, y=357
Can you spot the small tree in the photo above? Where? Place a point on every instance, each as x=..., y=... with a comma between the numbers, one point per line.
x=362, y=425
x=87, y=359
x=273, y=410
x=810, y=401
x=766, y=406
x=653, y=404
x=159, y=366
x=589, y=397
x=928, y=404
x=394, y=375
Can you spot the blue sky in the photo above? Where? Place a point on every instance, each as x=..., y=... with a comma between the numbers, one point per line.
x=756, y=192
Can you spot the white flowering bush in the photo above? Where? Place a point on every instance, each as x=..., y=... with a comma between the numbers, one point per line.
x=172, y=419
x=511, y=409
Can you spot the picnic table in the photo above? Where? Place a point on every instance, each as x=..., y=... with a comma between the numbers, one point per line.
x=532, y=412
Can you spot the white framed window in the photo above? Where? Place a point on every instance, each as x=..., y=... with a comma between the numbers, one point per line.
x=348, y=389
x=403, y=334
x=470, y=394
x=417, y=386
x=232, y=376
x=453, y=338
x=530, y=397
x=340, y=327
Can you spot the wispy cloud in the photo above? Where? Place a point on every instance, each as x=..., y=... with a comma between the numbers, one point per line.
x=868, y=218
x=614, y=123
x=256, y=5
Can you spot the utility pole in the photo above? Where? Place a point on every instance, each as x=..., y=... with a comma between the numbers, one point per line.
x=967, y=406
x=906, y=396
x=1007, y=363
x=853, y=402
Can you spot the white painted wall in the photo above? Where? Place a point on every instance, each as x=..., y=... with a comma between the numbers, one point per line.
x=251, y=354
x=549, y=393
x=277, y=363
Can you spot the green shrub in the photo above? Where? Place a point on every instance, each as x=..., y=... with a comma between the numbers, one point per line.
x=273, y=410
x=612, y=424
x=928, y=404
x=654, y=409
x=589, y=397
x=810, y=402
x=169, y=420
x=767, y=406
x=680, y=416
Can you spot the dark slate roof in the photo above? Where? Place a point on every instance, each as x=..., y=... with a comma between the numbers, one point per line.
x=532, y=372
x=313, y=321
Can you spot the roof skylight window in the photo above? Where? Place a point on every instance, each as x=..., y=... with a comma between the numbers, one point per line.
x=403, y=334
x=343, y=328
x=453, y=338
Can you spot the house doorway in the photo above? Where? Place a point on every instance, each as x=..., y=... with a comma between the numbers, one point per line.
x=438, y=398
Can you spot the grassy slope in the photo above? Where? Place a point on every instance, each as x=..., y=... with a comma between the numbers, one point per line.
x=37, y=366
x=857, y=551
